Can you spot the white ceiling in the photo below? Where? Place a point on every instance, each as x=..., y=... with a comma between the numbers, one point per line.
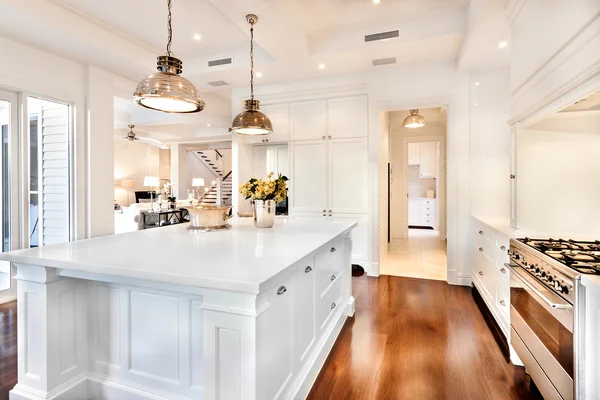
x=292, y=37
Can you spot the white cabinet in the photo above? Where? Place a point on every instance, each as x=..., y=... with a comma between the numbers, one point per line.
x=348, y=176
x=348, y=117
x=414, y=212
x=308, y=120
x=308, y=181
x=427, y=163
x=279, y=115
x=414, y=153
x=304, y=300
x=422, y=212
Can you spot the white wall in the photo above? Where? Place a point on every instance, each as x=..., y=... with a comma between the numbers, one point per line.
x=133, y=160
x=558, y=183
x=490, y=145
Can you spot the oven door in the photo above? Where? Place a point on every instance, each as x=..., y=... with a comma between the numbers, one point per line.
x=542, y=334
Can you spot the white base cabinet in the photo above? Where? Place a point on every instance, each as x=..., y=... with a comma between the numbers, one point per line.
x=422, y=212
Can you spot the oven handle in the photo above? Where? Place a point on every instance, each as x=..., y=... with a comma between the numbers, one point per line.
x=525, y=280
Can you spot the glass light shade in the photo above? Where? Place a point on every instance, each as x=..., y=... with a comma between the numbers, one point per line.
x=127, y=183
x=167, y=91
x=197, y=182
x=414, y=120
x=151, y=181
x=251, y=121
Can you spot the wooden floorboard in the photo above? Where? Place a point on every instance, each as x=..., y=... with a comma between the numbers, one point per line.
x=410, y=339
x=418, y=339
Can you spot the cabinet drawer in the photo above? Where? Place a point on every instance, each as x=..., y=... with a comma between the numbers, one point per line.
x=331, y=252
x=428, y=208
x=330, y=278
x=429, y=222
x=329, y=305
x=428, y=202
x=428, y=214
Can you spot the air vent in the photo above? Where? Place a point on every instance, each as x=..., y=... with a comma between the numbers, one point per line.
x=222, y=61
x=384, y=61
x=218, y=83
x=381, y=36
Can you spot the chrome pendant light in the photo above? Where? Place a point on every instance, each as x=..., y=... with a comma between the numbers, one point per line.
x=166, y=90
x=251, y=121
x=414, y=120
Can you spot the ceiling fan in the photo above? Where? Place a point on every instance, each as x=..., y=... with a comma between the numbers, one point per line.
x=131, y=136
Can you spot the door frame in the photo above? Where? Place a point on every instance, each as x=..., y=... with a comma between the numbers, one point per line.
x=441, y=184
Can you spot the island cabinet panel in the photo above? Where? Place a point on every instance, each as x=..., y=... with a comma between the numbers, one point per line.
x=304, y=306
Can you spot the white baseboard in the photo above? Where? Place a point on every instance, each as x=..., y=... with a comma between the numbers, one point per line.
x=463, y=279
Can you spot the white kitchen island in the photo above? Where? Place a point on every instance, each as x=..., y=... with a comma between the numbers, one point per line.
x=171, y=314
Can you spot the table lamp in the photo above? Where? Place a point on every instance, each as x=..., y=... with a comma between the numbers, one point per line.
x=197, y=183
x=151, y=182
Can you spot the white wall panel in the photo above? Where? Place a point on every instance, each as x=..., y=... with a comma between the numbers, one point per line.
x=108, y=311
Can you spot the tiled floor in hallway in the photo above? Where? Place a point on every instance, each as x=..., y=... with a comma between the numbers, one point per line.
x=422, y=255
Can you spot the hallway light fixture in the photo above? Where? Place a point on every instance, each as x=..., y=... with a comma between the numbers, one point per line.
x=414, y=120
x=166, y=90
x=251, y=121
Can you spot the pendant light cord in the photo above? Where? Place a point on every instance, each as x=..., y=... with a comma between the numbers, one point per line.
x=169, y=29
x=251, y=61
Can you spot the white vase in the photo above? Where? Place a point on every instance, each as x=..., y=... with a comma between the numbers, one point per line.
x=264, y=213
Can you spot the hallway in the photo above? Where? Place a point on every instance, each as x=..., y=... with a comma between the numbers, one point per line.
x=422, y=255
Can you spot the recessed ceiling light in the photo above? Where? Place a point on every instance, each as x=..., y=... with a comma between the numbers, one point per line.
x=376, y=1
x=198, y=37
x=476, y=83
x=208, y=125
x=502, y=44
x=259, y=74
x=475, y=104
x=321, y=66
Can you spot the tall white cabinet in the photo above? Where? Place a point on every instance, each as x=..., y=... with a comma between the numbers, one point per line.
x=329, y=164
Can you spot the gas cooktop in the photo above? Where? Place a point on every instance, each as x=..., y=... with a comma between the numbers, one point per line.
x=581, y=256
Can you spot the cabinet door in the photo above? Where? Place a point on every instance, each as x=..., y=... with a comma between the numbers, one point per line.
x=304, y=306
x=514, y=148
x=274, y=341
x=348, y=117
x=308, y=120
x=427, y=167
x=360, y=236
x=414, y=212
x=414, y=153
x=279, y=115
x=308, y=181
x=348, y=190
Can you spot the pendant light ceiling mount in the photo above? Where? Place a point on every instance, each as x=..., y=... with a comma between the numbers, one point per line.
x=166, y=90
x=414, y=120
x=251, y=121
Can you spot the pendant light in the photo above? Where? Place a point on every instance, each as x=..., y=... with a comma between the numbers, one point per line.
x=251, y=121
x=414, y=120
x=166, y=90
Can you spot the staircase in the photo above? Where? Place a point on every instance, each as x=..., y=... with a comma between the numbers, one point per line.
x=212, y=194
x=213, y=160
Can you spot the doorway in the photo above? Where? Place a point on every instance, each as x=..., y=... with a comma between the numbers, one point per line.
x=417, y=197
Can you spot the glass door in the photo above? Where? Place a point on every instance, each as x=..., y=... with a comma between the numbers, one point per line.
x=9, y=120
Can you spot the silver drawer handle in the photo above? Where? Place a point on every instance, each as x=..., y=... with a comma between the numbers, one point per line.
x=502, y=302
x=481, y=232
x=502, y=248
x=503, y=270
x=333, y=277
x=333, y=305
x=308, y=269
x=530, y=284
x=481, y=249
x=481, y=273
x=333, y=249
x=282, y=289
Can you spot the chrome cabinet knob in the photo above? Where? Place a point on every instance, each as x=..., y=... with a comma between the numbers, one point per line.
x=481, y=232
x=307, y=269
x=323, y=137
x=502, y=248
x=481, y=273
x=333, y=277
x=282, y=289
x=481, y=249
x=503, y=270
x=333, y=250
x=502, y=302
x=329, y=137
x=333, y=305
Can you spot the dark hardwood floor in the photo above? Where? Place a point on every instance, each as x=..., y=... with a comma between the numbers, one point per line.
x=417, y=339
x=8, y=348
x=410, y=339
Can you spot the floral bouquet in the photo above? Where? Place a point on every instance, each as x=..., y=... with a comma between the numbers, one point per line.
x=269, y=189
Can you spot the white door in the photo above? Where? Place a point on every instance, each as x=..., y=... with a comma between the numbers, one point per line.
x=414, y=153
x=348, y=117
x=348, y=191
x=308, y=120
x=308, y=183
x=9, y=189
x=427, y=167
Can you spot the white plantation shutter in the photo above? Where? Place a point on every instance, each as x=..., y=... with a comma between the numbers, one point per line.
x=53, y=130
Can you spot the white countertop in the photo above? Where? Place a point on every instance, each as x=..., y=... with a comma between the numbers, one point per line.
x=243, y=259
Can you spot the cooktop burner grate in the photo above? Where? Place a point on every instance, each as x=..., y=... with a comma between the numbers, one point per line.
x=582, y=256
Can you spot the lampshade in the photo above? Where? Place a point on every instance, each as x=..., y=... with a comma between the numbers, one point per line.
x=151, y=181
x=414, y=120
x=127, y=183
x=197, y=182
x=251, y=121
